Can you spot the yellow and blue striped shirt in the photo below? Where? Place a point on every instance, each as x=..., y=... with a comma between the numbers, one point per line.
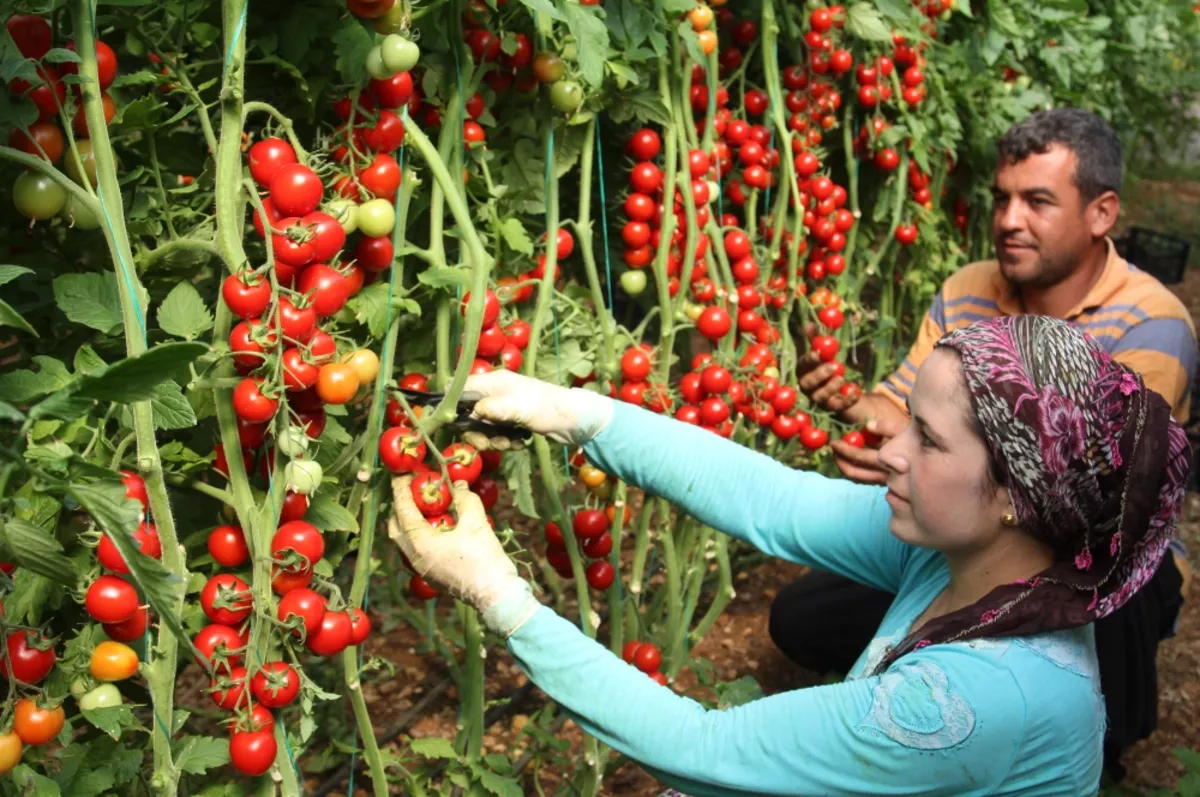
x=1130, y=313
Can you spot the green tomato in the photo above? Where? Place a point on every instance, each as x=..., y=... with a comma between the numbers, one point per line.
x=293, y=442
x=633, y=282
x=376, y=68
x=399, y=54
x=566, y=96
x=79, y=688
x=38, y=197
x=376, y=217
x=303, y=476
x=84, y=164
x=569, y=51
x=102, y=696
x=346, y=213
x=78, y=216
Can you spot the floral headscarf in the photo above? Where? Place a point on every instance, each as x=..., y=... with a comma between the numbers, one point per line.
x=1094, y=463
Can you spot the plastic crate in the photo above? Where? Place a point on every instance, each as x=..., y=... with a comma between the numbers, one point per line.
x=1158, y=254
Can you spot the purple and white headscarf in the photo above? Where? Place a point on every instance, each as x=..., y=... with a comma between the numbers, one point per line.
x=1094, y=463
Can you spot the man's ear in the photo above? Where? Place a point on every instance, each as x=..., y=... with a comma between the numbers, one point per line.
x=1103, y=212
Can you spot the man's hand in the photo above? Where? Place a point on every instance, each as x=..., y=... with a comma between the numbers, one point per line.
x=862, y=464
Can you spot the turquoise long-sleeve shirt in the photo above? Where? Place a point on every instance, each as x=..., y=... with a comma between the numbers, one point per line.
x=985, y=717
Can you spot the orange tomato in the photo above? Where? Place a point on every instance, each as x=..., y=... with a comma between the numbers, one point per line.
x=626, y=515
x=591, y=476
x=708, y=41
x=337, y=383
x=37, y=725
x=701, y=17
x=112, y=661
x=10, y=752
x=365, y=363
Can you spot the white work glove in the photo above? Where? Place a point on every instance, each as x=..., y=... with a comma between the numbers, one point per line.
x=571, y=416
x=468, y=560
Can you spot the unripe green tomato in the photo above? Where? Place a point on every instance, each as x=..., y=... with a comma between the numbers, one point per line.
x=79, y=688
x=633, y=282
x=293, y=442
x=566, y=96
x=303, y=476
x=399, y=54
x=692, y=311
x=376, y=68
x=78, y=216
x=346, y=213
x=376, y=217
x=569, y=51
x=393, y=20
x=84, y=164
x=37, y=197
x=102, y=696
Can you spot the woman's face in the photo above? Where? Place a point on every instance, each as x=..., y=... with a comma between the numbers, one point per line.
x=938, y=485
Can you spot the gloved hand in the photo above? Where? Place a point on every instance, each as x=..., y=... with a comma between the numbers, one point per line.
x=566, y=415
x=467, y=560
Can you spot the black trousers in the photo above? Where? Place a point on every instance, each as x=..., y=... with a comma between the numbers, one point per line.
x=824, y=621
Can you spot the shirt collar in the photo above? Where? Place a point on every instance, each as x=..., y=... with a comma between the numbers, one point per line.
x=1112, y=280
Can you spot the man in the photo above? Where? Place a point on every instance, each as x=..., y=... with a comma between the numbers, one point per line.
x=1055, y=199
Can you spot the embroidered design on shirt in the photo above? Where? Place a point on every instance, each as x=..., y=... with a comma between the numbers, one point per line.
x=1066, y=649
x=914, y=705
x=876, y=650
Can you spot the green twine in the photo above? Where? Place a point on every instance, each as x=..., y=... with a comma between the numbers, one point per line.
x=237, y=34
x=603, y=212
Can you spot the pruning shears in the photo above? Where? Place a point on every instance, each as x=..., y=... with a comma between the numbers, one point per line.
x=464, y=420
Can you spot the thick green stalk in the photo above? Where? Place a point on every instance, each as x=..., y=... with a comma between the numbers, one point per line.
x=670, y=163
x=724, y=594
x=606, y=366
x=160, y=674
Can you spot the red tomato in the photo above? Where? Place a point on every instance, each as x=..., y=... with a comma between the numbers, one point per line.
x=246, y=299
x=219, y=647
x=296, y=189
x=228, y=689
x=251, y=404
x=130, y=630
x=227, y=546
x=380, y=179
x=298, y=544
x=295, y=505
x=306, y=604
x=252, y=752
x=463, y=462
x=491, y=307
x=106, y=64
x=635, y=364
x=714, y=323
x=517, y=333
x=226, y=599
x=146, y=538
x=35, y=724
x=328, y=236
x=488, y=491
x=600, y=575
x=387, y=134
x=589, y=524
x=647, y=658
x=47, y=92
x=135, y=488
x=111, y=600
x=360, y=626
x=393, y=92
x=31, y=33
x=420, y=589
x=431, y=493
x=276, y=684
x=30, y=657
x=267, y=157
x=401, y=449
x=813, y=438
x=333, y=636
x=644, y=144
x=826, y=347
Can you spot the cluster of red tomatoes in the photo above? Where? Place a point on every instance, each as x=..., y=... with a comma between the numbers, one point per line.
x=646, y=657
x=227, y=602
x=591, y=529
x=37, y=196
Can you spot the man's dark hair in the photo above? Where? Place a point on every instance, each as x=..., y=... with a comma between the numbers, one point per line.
x=1093, y=141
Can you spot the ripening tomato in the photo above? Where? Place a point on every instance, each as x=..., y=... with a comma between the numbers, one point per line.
x=113, y=661
x=337, y=383
x=11, y=749
x=35, y=724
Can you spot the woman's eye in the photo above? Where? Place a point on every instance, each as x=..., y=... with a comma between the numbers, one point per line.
x=927, y=441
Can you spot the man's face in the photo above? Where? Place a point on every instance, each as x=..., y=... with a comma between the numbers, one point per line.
x=1040, y=223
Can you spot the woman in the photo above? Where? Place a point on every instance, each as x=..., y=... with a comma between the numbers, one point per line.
x=1035, y=490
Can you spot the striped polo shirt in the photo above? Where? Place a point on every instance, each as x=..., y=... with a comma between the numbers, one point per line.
x=1130, y=313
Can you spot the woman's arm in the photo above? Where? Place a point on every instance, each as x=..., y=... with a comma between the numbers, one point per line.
x=830, y=524
x=943, y=721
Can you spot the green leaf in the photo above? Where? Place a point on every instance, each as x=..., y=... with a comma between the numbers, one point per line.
x=10, y=413
x=183, y=313
x=137, y=378
x=32, y=595
x=10, y=273
x=515, y=236
x=11, y=318
x=35, y=548
x=672, y=7
x=443, y=277
x=92, y=782
x=591, y=37
x=433, y=747
x=111, y=719
x=864, y=22
x=370, y=307
x=643, y=105
x=544, y=7
x=63, y=406
x=351, y=43
x=90, y=299
x=87, y=361
x=24, y=385
x=61, y=55
x=497, y=784
x=105, y=501
x=198, y=754
x=171, y=408
x=31, y=783
x=328, y=515
x=517, y=467
x=739, y=692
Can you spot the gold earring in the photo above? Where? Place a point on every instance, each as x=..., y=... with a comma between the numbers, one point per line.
x=1008, y=519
